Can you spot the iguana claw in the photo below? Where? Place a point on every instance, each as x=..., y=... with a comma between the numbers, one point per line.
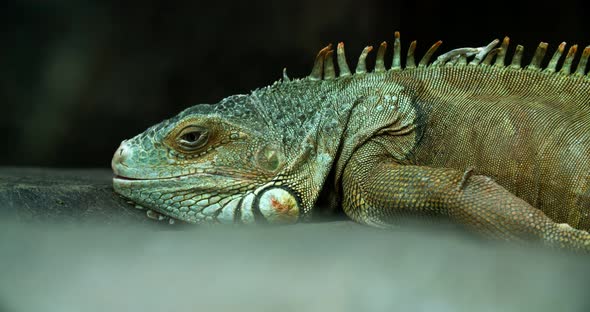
x=155, y=215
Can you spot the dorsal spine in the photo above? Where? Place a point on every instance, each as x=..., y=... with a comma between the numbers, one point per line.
x=324, y=67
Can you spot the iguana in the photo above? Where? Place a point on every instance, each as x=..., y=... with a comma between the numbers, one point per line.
x=500, y=148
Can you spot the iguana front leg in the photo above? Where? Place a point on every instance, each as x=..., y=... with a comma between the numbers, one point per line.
x=378, y=190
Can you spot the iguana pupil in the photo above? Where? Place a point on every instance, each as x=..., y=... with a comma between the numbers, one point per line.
x=193, y=137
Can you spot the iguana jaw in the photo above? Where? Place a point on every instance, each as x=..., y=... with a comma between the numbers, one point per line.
x=200, y=199
x=203, y=193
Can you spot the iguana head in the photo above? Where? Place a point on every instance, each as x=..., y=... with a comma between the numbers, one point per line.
x=249, y=158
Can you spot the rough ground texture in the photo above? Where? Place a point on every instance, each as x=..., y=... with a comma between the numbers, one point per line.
x=66, y=196
x=83, y=252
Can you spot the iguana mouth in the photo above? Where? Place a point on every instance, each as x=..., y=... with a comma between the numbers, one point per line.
x=131, y=179
x=125, y=178
x=119, y=177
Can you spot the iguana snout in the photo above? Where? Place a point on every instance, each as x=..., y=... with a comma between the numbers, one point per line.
x=118, y=161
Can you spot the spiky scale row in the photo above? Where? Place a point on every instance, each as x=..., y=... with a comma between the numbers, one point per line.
x=569, y=58
x=379, y=62
x=517, y=57
x=361, y=66
x=483, y=56
x=329, y=71
x=555, y=58
x=426, y=58
x=455, y=56
x=410, y=63
x=538, y=57
x=488, y=60
x=583, y=61
x=318, y=66
x=482, y=52
x=342, y=65
x=502, y=52
x=397, y=48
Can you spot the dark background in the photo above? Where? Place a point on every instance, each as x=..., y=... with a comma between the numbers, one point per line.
x=79, y=76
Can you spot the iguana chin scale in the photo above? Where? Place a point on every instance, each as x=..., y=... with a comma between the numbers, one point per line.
x=502, y=149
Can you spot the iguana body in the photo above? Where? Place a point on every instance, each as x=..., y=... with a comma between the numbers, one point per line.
x=502, y=149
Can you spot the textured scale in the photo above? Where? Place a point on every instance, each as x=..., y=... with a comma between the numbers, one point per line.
x=479, y=136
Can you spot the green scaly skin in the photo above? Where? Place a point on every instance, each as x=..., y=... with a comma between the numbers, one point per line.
x=504, y=150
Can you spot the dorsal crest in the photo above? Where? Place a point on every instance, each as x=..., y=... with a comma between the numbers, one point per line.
x=489, y=55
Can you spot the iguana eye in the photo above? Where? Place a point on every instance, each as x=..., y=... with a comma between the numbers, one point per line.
x=192, y=138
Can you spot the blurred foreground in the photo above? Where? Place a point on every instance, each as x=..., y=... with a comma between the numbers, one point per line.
x=337, y=266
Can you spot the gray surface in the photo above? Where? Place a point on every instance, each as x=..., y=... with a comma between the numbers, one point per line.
x=54, y=195
x=307, y=267
x=64, y=262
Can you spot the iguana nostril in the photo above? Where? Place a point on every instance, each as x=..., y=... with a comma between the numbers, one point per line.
x=121, y=154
